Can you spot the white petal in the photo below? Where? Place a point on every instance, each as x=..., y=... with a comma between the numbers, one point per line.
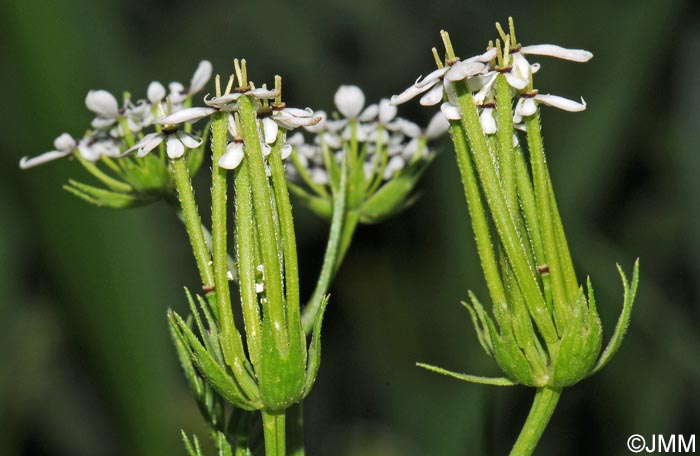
x=561, y=102
x=521, y=67
x=191, y=142
x=177, y=92
x=552, y=50
x=321, y=125
x=349, y=100
x=27, y=162
x=219, y=102
x=266, y=149
x=233, y=156
x=485, y=57
x=263, y=94
x=395, y=164
x=485, y=89
x=515, y=81
x=286, y=151
x=200, y=77
x=463, y=70
x=409, y=94
x=319, y=176
x=147, y=144
x=450, y=111
x=270, y=129
x=297, y=112
x=102, y=103
x=387, y=111
x=64, y=142
x=174, y=147
x=101, y=123
x=186, y=115
x=437, y=127
x=155, y=92
x=432, y=77
x=232, y=129
x=296, y=139
x=410, y=129
x=433, y=97
x=526, y=107
x=488, y=123
x=369, y=113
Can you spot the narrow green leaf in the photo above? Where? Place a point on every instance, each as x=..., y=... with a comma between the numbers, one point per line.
x=314, y=353
x=481, y=326
x=624, y=320
x=495, y=381
x=101, y=197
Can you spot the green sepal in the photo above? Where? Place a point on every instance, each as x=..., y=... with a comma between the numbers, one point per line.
x=580, y=344
x=624, y=320
x=192, y=447
x=104, y=198
x=323, y=207
x=394, y=196
x=212, y=371
x=482, y=323
x=494, y=381
x=282, y=369
x=506, y=350
x=314, y=353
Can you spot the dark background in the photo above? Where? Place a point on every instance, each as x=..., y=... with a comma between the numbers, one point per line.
x=86, y=366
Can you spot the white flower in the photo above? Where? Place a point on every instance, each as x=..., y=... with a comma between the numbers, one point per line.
x=526, y=105
x=488, y=123
x=395, y=164
x=104, y=105
x=93, y=147
x=349, y=100
x=64, y=144
x=227, y=101
x=175, y=143
x=291, y=118
x=186, y=115
x=233, y=155
x=178, y=93
x=438, y=80
x=155, y=92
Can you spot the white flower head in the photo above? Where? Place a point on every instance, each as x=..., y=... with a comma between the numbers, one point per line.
x=526, y=105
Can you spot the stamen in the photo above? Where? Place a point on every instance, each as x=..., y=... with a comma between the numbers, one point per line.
x=436, y=56
x=217, y=83
x=506, y=50
x=499, y=54
x=511, y=26
x=278, y=88
x=448, y=45
x=500, y=31
x=229, y=85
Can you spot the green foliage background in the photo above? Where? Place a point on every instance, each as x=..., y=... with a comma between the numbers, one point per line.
x=86, y=367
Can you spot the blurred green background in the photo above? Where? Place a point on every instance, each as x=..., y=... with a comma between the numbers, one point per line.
x=86, y=366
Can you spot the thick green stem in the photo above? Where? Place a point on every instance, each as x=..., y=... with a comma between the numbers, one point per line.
x=192, y=220
x=541, y=411
x=477, y=213
x=503, y=218
x=262, y=204
x=274, y=432
x=230, y=338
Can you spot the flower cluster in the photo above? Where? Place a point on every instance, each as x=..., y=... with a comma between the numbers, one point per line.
x=119, y=137
x=506, y=57
x=545, y=331
x=378, y=148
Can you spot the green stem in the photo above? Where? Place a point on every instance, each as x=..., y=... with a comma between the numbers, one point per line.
x=502, y=216
x=193, y=222
x=506, y=158
x=262, y=204
x=274, y=432
x=541, y=411
x=477, y=213
x=230, y=338
x=331, y=258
